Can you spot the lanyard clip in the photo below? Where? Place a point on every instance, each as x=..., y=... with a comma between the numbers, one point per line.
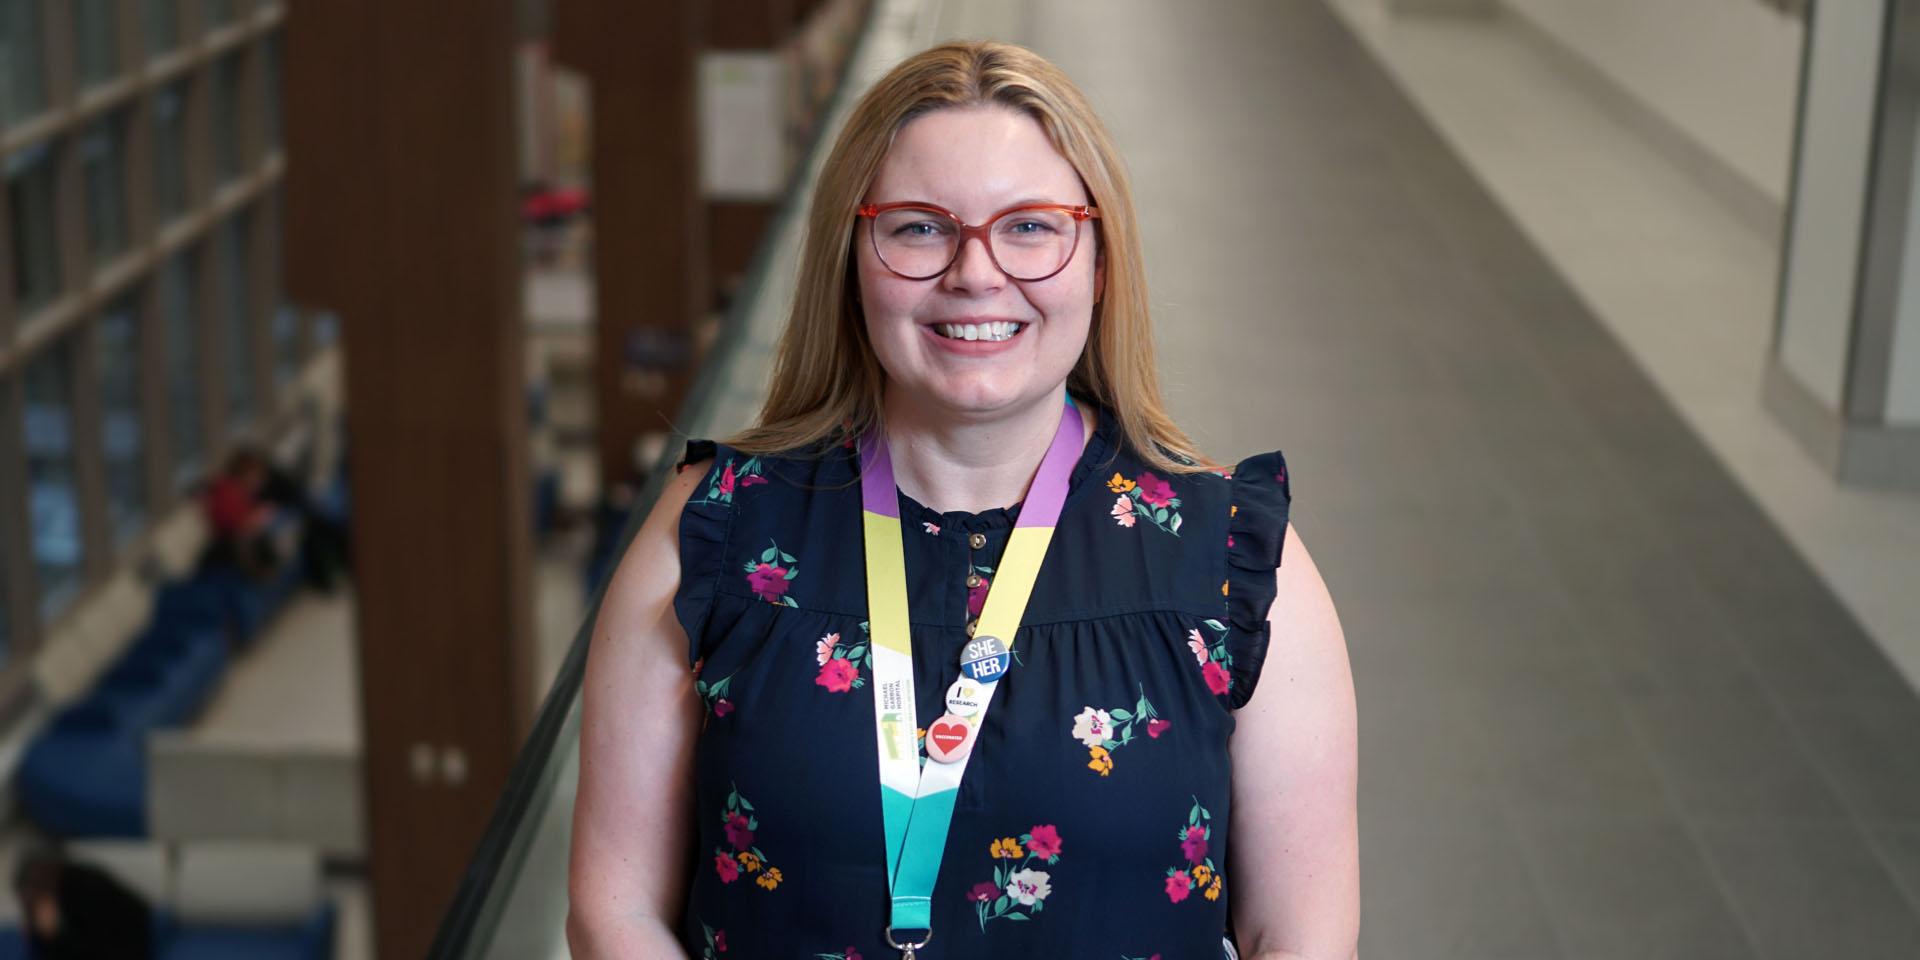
x=907, y=949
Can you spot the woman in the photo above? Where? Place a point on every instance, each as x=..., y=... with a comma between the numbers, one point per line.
x=963, y=472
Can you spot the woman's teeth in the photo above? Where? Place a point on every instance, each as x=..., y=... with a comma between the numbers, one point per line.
x=997, y=330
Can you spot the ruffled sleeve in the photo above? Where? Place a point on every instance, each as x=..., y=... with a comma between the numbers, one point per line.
x=704, y=526
x=1256, y=527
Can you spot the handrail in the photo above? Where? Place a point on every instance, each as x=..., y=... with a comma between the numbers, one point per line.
x=505, y=843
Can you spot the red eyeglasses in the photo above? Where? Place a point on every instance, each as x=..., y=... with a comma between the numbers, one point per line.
x=920, y=241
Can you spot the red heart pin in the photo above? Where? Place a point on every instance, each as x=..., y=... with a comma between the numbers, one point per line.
x=947, y=739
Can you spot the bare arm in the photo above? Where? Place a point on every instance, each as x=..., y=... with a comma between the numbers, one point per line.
x=639, y=716
x=1296, y=838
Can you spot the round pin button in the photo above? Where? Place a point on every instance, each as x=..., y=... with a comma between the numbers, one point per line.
x=965, y=697
x=985, y=659
x=948, y=739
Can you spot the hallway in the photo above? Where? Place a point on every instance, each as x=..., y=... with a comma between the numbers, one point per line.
x=1606, y=709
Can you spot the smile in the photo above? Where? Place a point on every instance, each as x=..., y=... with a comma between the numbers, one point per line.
x=993, y=332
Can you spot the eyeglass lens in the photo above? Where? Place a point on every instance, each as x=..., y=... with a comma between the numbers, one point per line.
x=1028, y=245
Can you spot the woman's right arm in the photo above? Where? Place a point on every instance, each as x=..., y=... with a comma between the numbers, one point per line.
x=632, y=816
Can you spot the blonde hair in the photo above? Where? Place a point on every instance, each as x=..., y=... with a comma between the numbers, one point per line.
x=826, y=375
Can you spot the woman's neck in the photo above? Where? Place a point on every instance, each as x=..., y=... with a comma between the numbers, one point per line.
x=957, y=464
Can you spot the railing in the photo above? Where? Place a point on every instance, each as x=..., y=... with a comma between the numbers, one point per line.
x=511, y=901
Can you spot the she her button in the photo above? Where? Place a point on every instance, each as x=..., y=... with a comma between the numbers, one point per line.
x=985, y=659
x=977, y=541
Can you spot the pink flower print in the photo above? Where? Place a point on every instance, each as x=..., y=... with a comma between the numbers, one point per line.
x=1195, y=844
x=1218, y=679
x=983, y=892
x=726, y=478
x=932, y=528
x=1229, y=540
x=1178, y=886
x=1281, y=476
x=1198, y=646
x=720, y=941
x=823, y=651
x=769, y=581
x=725, y=866
x=749, y=479
x=977, y=597
x=722, y=707
x=837, y=675
x=1044, y=842
x=851, y=954
x=1155, y=491
x=1156, y=727
x=1123, y=511
x=739, y=832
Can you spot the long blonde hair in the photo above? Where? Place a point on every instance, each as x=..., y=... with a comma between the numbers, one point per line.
x=826, y=376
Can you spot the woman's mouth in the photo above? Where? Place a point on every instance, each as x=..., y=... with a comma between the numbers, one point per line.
x=993, y=331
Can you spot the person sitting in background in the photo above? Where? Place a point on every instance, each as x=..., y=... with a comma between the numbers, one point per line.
x=240, y=516
x=72, y=911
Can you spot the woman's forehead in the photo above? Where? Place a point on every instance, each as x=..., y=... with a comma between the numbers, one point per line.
x=975, y=161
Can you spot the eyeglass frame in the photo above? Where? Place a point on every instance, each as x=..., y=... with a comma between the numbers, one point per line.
x=1081, y=213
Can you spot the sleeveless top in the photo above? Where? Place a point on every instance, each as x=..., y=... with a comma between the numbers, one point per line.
x=1093, y=819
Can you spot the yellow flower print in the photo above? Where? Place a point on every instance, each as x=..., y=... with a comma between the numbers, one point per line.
x=1102, y=762
x=1120, y=484
x=1233, y=510
x=749, y=861
x=770, y=879
x=1213, y=889
x=1201, y=874
x=1223, y=588
x=1006, y=848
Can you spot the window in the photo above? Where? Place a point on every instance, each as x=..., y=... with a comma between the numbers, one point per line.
x=285, y=329
x=161, y=19
x=53, y=498
x=36, y=254
x=227, y=161
x=103, y=153
x=122, y=447
x=170, y=151
x=23, y=88
x=180, y=316
x=271, y=94
x=236, y=317
x=97, y=55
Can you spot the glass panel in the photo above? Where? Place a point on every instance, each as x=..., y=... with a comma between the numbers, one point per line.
x=161, y=19
x=170, y=151
x=226, y=119
x=180, y=315
x=285, y=328
x=53, y=498
x=23, y=89
x=236, y=319
x=103, y=154
x=222, y=12
x=93, y=36
x=271, y=97
x=122, y=446
x=36, y=255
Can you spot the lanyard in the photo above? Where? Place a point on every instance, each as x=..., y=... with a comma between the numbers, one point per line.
x=916, y=800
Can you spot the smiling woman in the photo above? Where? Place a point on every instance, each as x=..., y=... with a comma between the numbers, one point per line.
x=975, y=634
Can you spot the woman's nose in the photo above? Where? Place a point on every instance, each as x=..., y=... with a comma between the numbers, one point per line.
x=973, y=270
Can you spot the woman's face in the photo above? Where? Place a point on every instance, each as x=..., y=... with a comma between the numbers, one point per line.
x=976, y=162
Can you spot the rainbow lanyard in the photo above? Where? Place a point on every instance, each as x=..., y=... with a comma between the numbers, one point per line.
x=916, y=798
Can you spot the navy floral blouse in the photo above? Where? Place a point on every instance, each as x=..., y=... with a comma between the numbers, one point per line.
x=1093, y=818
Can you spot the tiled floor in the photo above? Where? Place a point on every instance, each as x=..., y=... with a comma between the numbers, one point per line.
x=1606, y=708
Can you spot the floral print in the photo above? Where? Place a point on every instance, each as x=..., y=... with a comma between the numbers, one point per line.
x=850, y=954
x=1104, y=731
x=715, y=693
x=1216, y=661
x=723, y=482
x=737, y=824
x=1199, y=875
x=1145, y=497
x=977, y=594
x=840, y=663
x=716, y=943
x=1018, y=889
x=771, y=575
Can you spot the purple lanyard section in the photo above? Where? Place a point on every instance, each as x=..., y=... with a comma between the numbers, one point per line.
x=1045, y=499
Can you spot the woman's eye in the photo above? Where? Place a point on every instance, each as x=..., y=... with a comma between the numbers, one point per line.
x=1030, y=227
x=919, y=228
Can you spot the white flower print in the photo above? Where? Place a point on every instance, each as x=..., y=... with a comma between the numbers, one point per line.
x=823, y=651
x=932, y=528
x=1123, y=511
x=1198, y=646
x=1092, y=727
x=1028, y=886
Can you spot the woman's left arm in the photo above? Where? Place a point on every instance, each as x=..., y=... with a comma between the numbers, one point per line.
x=1295, y=828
